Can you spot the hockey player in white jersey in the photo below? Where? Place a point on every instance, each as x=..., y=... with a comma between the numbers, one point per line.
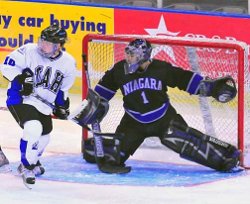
x=38, y=69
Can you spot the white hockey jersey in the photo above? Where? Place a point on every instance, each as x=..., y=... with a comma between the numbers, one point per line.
x=50, y=75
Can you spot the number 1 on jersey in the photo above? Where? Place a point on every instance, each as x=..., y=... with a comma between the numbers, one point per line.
x=145, y=100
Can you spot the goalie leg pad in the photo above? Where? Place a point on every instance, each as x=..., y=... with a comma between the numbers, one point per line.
x=200, y=148
x=111, y=150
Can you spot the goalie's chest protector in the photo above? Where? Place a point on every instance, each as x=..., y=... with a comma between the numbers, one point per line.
x=146, y=92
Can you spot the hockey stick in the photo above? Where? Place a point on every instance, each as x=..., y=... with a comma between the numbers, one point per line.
x=98, y=144
x=100, y=155
x=204, y=106
x=71, y=116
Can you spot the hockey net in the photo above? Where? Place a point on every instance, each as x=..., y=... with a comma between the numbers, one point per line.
x=209, y=57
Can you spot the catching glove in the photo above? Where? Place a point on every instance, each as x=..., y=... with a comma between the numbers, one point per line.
x=222, y=89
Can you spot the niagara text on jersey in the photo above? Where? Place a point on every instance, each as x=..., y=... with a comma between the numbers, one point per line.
x=145, y=93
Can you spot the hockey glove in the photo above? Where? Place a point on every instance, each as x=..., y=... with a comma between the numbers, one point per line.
x=26, y=80
x=62, y=112
x=92, y=110
x=222, y=89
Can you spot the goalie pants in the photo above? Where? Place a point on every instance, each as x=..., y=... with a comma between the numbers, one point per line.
x=135, y=132
x=174, y=133
x=36, y=128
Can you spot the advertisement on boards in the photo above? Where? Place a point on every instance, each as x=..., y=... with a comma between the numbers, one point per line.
x=22, y=22
x=188, y=25
x=181, y=24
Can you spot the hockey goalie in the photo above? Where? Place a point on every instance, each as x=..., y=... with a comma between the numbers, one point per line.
x=144, y=84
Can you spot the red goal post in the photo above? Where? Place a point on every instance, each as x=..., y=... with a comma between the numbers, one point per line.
x=209, y=57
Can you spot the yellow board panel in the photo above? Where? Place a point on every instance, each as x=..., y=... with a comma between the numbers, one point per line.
x=22, y=22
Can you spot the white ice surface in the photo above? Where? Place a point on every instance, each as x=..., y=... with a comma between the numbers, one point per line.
x=66, y=138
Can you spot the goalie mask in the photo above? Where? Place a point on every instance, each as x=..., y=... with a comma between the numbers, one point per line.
x=51, y=40
x=137, y=52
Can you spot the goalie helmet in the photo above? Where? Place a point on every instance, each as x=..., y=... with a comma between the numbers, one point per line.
x=51, y=39
x=139, y=48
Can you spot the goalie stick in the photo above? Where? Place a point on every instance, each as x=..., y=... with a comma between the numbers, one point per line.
x=97, y=135
x=204, y=106
x=98, y=145
x=100, y=156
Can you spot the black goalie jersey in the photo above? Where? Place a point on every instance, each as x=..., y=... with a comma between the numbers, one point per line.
x=145, y=93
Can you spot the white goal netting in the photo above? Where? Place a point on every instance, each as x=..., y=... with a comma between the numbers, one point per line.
x=212, y=58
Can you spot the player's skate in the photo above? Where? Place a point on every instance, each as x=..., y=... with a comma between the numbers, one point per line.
x=28, y=176
x=39, y=169
x=4, y=163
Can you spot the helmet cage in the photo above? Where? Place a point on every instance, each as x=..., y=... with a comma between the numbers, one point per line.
x=141, y=49
x=50, y=38
x=47, y=49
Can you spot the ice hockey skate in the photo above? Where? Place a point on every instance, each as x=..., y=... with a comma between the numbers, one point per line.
x=39, y=169
x=4, y=163
x=28, y=176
